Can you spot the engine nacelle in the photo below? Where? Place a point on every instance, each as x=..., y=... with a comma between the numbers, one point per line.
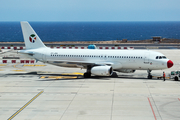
x=126, y=70
x=102, y=70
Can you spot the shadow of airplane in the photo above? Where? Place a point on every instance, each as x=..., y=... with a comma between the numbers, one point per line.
x=48, y=76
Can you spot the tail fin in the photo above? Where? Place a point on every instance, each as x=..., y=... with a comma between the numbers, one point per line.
x=31, y=39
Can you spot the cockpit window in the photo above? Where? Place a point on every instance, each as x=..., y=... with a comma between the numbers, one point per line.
x=164, y=57
x=161, y=57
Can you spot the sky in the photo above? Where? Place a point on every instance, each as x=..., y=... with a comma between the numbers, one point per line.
x=89, y=10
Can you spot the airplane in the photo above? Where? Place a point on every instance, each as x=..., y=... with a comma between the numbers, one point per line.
x=96, y=62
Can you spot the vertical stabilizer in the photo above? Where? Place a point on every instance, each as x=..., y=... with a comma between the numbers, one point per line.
x=31, y=39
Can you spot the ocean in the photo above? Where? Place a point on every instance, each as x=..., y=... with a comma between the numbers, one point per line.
x=91, y=31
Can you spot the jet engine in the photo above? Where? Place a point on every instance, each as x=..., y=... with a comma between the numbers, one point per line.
x=102, y=70
x=126, y=70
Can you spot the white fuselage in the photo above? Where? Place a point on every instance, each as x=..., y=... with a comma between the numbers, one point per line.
x=95, y=61
x=118, y=59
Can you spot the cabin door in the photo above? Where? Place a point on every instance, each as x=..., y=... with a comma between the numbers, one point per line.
x=146, y=58
x=43, y=57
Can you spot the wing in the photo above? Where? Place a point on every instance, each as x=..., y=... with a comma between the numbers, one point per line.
x=81, y=64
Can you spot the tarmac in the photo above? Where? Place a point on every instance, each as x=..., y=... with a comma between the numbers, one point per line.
x=42, y=92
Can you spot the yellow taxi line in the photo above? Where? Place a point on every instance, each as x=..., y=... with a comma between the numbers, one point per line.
x=25, y=105
x=59, y=77
x=75, y=73
x=29, y=65
x=34, y=65
x=15, y=65
x=3, y=64
x=40, y=65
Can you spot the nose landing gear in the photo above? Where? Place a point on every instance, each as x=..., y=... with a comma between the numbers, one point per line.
x=149, y=74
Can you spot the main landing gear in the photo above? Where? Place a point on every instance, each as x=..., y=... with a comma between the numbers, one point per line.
x=149, y=74
x=87, y=74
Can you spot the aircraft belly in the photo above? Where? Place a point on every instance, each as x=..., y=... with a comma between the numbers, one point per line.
x=139, y=66
x=130, y=65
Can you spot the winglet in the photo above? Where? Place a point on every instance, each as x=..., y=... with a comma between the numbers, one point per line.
x=31, y=39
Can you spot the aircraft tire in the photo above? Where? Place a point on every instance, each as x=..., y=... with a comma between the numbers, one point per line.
x=87, y=75
x=176, y=78
x=114, y=74
x=149, y=76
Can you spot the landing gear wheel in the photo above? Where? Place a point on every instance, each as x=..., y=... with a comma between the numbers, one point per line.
x=149, y=74
x=87, y=75
x=114, y=74
x=176, y=78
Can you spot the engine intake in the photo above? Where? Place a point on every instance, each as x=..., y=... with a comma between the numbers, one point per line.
x=102, y=70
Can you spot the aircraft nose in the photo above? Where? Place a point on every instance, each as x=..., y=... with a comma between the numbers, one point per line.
x=169, y=63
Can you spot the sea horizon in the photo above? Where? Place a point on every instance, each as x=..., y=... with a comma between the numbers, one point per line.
x=53, y=31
